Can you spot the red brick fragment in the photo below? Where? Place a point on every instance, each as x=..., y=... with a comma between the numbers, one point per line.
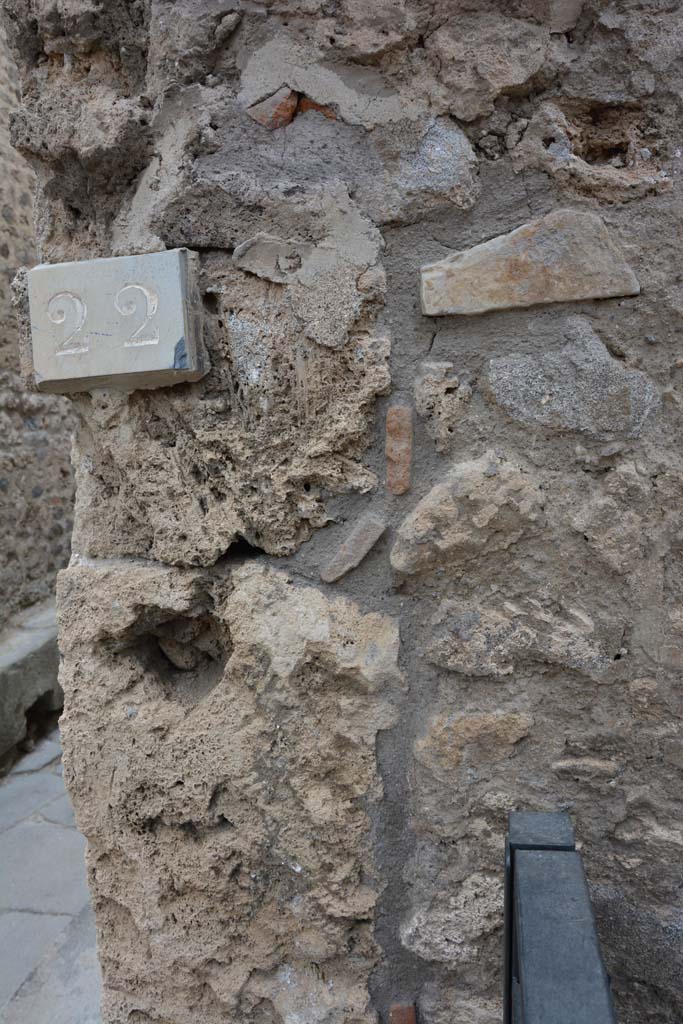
x=402, y=1014
x=399, y=448
x=277, y=110
x=307, y=104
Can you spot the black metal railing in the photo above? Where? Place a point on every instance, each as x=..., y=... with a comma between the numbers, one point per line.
x=554, y=972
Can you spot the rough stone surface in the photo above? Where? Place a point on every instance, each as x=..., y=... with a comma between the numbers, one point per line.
x=230, y=717
x=438, y=1004
x=449, y=929
x=509, y=52
x=36, y=489
x=491, y=642
x=270, y=736
x=441, y=399
x=578, y=387
x=484, y=504
x=564, y=256
x=571, y=148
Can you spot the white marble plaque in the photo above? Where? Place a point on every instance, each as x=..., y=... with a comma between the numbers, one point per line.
x=127, y=322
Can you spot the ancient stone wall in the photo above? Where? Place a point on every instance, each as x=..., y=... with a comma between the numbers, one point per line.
x=36, y=490
x=409, y=555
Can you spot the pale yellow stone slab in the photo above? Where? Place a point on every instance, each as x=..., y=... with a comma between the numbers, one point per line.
x=565, y=256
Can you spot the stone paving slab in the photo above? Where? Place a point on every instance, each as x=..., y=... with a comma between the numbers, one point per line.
x=59, y=812
x=65, y=988
x=49, y=972
x=43, y=754
x=24, y=795
x=42, y=869
x=24, y=938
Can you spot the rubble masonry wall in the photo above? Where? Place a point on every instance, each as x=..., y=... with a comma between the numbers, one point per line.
x=380, y=576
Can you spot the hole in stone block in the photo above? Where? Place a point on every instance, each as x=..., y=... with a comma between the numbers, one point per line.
x=186, y=655
x=242, y=548
x=212, y=302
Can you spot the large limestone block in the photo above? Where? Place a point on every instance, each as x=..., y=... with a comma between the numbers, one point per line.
x=487, y=503
x=219, y=748
x=563, y=257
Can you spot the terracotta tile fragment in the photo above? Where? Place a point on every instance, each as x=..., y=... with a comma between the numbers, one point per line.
x=399, y=448
x=307, y=104
x=362, y=538
x=277, y=110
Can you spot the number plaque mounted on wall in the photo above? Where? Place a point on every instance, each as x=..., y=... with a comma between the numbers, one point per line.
x=127, y=322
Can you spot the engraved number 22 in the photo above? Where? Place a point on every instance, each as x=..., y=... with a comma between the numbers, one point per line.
x=127, y=301
x=68, y=304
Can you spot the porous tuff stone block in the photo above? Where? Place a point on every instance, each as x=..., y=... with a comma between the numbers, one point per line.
x=127, y=322
x=562, y=257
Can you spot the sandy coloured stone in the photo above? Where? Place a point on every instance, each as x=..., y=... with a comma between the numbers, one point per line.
x=437, y=1000
x=277, y=110
x=563, y=257
x=484, y=641
x=485, y=503
x=480, y=55
x=364, y=535
x=399, y=448
x=272, y=258
x=230, y=730
x=586, y=768
x=554, y=142
x=478, y=739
